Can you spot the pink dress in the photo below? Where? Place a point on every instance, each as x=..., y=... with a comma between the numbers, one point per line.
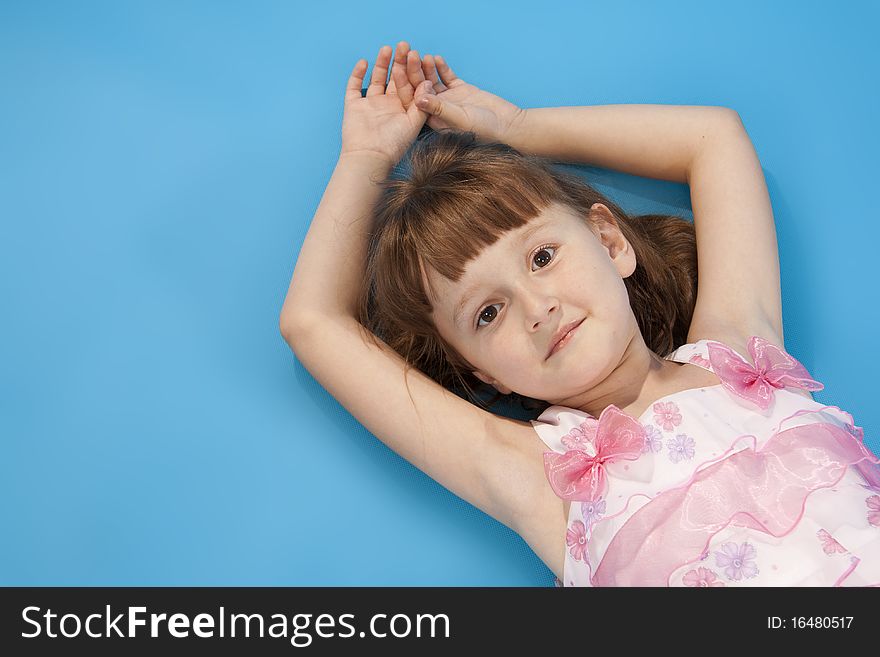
x=743, y=483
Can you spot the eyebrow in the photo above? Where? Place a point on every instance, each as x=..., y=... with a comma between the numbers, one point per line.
x=525, y=237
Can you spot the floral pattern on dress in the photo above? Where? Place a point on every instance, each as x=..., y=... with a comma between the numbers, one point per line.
x=681, y=448
x=581, y=437
x=576, y=539
x=829, y=545
x=738, y=561
x=653, y=439
x=666, y=414
x=873, y=503
x=702, y=577
x=593, y=510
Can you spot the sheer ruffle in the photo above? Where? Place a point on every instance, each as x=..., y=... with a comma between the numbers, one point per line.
x=765, y=490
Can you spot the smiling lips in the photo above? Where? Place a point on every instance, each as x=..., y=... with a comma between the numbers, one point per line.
x=563, y=337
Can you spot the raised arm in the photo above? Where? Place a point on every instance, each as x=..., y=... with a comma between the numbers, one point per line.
x=494, y=463
x=653, y=141
x=330, y=265
x=376, y=130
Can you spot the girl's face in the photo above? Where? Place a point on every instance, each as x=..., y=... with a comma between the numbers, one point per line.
x=505, y=313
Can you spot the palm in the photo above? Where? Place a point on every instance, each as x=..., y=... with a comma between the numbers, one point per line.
x=377, y=123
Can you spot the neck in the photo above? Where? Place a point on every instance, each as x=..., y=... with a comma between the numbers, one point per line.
x=639, y=374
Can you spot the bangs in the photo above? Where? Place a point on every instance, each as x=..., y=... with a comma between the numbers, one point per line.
x=456, y=228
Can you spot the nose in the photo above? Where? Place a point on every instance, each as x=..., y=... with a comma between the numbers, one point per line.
x=539, y=308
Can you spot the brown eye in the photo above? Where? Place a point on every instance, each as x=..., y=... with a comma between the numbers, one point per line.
x=544, y=255
x=487, y=314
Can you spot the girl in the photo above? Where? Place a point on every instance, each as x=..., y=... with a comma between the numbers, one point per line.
x=685, y=448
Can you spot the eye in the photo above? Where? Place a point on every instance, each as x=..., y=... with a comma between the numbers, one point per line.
x=540, y=257
x=487, y=314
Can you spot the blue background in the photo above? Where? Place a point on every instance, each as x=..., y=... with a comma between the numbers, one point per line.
x=160, y=163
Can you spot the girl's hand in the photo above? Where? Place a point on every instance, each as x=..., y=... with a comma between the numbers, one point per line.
x=385, y=121
x=454, y=103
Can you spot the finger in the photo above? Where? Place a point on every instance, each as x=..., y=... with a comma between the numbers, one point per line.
x=414, y=69
x=446, y=74
x=380, y=72
x=356, y=80
x=399, y=83
x=450, y=113
x=417, y=116
x=430, y=71
x=424, y=89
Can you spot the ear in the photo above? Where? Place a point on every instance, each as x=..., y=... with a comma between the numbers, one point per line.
x=608, y=231
x=504, y=390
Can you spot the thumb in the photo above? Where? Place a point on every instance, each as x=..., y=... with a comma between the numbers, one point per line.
x=416, y=109
x=451, y=113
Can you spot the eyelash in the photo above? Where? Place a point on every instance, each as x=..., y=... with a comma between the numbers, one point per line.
x=531, y=258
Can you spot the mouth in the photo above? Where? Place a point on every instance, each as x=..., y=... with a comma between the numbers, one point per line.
x=566, y=334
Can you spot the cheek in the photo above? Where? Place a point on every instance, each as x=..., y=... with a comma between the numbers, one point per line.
x=495, y=348
x=499, y=353
x=600, y=283
x=582, y=285
x=511, y=352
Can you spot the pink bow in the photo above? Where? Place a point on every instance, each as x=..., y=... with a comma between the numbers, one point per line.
x=773, y=368
x=577, y=475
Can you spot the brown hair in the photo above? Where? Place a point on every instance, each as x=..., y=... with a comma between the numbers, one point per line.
x=450, y=197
